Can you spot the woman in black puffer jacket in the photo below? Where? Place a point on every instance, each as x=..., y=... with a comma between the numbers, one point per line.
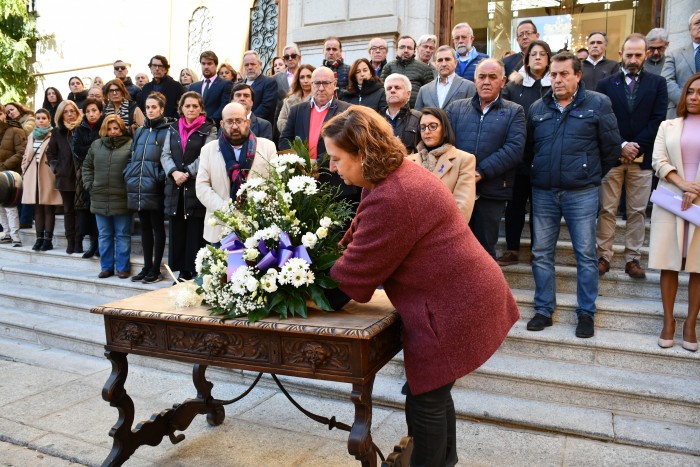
x=145, y=184
x=180, y=161
x=365, y=87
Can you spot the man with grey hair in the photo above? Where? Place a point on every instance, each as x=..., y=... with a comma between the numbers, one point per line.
x=681, y=64
x=418, y=72
x=377, y=49
x=264, y=87
x=657, y=42
x=493, y=129
x=467, y=55
x=427, y=43
x=292, y=58
x=404, y=120
x=596, y=66
x=447, y=87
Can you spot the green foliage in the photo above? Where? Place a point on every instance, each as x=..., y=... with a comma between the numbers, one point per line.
x=18, y=40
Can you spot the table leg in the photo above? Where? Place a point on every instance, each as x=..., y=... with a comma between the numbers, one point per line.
x=165, y=423
x=360, y=439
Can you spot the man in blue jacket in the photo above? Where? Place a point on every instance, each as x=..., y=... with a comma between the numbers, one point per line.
x=265, y=87
x=574, y=139
x=493, y=129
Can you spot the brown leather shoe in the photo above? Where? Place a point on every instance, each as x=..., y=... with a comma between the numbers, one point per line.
x=123, y=274
x=634, y=269
x=508, y=258
x=603, y=266
x=105, y=274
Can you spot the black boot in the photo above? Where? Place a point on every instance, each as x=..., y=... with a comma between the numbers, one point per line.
x=70, y=245
x=92, y=251
x=39, y=241
x=48, y=242
x=78, y=244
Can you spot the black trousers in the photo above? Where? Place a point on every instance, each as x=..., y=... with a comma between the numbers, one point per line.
x=516, y=210
x=432, y=423
x=87, y=224
x=186, y=238
x=485, y=221
x=153, y=238
x=45, y=216
x=69, y=218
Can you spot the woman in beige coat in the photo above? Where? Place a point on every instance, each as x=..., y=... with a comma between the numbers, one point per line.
x=39, y=182
x=436, y=152
x=675, y=243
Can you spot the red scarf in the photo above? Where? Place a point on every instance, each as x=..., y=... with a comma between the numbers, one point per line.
x=186, y=129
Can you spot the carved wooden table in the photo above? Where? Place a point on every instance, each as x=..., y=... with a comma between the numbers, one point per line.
x=349, y=346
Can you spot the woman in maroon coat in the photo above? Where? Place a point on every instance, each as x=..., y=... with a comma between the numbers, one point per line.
x=409, y=236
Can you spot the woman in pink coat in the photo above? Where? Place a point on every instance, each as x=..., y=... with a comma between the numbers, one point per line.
x=409, y=236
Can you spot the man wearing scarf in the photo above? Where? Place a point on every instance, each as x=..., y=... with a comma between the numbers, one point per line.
x=227, y=163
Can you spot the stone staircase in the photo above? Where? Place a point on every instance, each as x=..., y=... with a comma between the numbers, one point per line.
x=618, y=386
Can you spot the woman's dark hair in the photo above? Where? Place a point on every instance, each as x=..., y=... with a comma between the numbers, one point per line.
x=23, y=110
x=448, y=134
x=352, y=75
x=120, y=84
x=296, y=82
x=75, y=77
x=272, y=65
x=361, y=131
x=682, y=109
x=44, y=111
x=228, y=66
x=92, y=101
x=526, y=59
x=47, y=104
x=158, y=97
x=190, y=95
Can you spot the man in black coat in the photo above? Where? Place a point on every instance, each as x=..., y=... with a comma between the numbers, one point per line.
x=216, y=92
x=525, y=34
x=244, y=95
x=639, y=100
x=265, y=87
x=596, y=66
x=121, y=72
x=163, y=83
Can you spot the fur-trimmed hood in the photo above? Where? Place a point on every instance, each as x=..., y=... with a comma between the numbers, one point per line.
x=522, y=77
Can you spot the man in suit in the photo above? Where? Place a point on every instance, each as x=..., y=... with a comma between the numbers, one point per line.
x=264, y=86
x=657, y=43
x=639, y=101
x=306, y=120
x=292, y=58
x=244, y=95
x=467, y=55
x=526, y=32
x=216, y=92
x=681, y=64
x=596, y=66
x=447, y=87
x=377, y=49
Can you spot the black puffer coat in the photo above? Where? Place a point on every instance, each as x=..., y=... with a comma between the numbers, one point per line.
x=371, y=95
x=174, y=158
x=83, y=137
x=144, y=176
x=78, y=98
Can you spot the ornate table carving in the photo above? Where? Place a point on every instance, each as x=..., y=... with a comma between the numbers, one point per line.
x=349, y=346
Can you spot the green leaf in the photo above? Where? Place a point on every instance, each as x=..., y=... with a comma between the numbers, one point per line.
x=199, y=280
x=319, y=298
x=326, y=282
x=325, y=262
x=257, y=315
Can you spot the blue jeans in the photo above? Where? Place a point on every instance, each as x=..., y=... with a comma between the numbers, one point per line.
x=579, y=208
x=111, y=252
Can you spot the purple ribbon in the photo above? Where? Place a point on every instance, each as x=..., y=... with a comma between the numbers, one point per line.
x=271, y=258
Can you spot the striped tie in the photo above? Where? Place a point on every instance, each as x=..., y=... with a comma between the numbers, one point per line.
x=697, y=59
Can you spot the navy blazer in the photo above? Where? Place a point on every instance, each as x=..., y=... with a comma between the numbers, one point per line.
x=218, y=95
x=265, y=101
x=260, y=127
x=298, y=125
x=641, y=124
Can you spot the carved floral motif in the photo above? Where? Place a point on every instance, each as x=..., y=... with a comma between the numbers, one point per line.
x=135, y=334
x=317, y=355
x=218, y=344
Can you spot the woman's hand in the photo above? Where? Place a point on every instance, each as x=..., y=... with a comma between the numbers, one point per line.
x=180, y=177
x=689, y=187
x=688, y=198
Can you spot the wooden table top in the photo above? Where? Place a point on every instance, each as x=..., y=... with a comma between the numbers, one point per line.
x=356, y=320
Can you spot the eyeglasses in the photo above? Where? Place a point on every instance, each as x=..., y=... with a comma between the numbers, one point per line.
x=238, y=121
x=377, y=49
x=156, y=65
x=290, y=56
x=525, y=34
x=114, y=90
x=430, y=126
x=660, y=48
x=321, y=83
x=120, y=68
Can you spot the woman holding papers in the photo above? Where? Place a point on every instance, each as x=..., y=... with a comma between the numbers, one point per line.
x=674, y=242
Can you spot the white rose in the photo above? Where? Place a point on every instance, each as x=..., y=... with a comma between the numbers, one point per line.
x=322, y=232
x=250, y=254
x=212, y=221
x=326, y=222
x=309, y=240
x=251, y=284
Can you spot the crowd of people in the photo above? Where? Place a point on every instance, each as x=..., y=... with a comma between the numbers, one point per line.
x=569, y=135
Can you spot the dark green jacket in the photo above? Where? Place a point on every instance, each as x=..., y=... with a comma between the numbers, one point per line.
x=103, y=175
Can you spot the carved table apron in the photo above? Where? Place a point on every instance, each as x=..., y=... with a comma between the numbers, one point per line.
x=348, y=346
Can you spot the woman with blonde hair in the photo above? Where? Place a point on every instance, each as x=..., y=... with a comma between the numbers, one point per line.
x=409, y=236
x=228, y=72
x=187, y=77
x=674, y=243
x=39, y=182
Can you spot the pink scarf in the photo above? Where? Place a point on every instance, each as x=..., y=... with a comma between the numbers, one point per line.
x=186, y=129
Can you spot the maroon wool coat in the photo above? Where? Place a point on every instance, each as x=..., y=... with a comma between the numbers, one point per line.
x=454, y=302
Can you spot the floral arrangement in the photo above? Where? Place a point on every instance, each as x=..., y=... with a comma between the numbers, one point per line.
x=281, y=236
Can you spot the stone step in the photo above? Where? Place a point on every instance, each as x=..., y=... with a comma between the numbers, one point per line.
x=61, y=304
x=564, y=235
x=564, y=254
x=58, y=258
x=613, y=284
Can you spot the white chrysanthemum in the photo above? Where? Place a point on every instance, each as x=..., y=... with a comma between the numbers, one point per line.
x=311, y=189
x=202, y=255
x=321, y=232
x=268, y=282
x=326, y=222
x=250, y=242
x=309, y=240
x=300, y=183
x=287, y=197
x=258, y=196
